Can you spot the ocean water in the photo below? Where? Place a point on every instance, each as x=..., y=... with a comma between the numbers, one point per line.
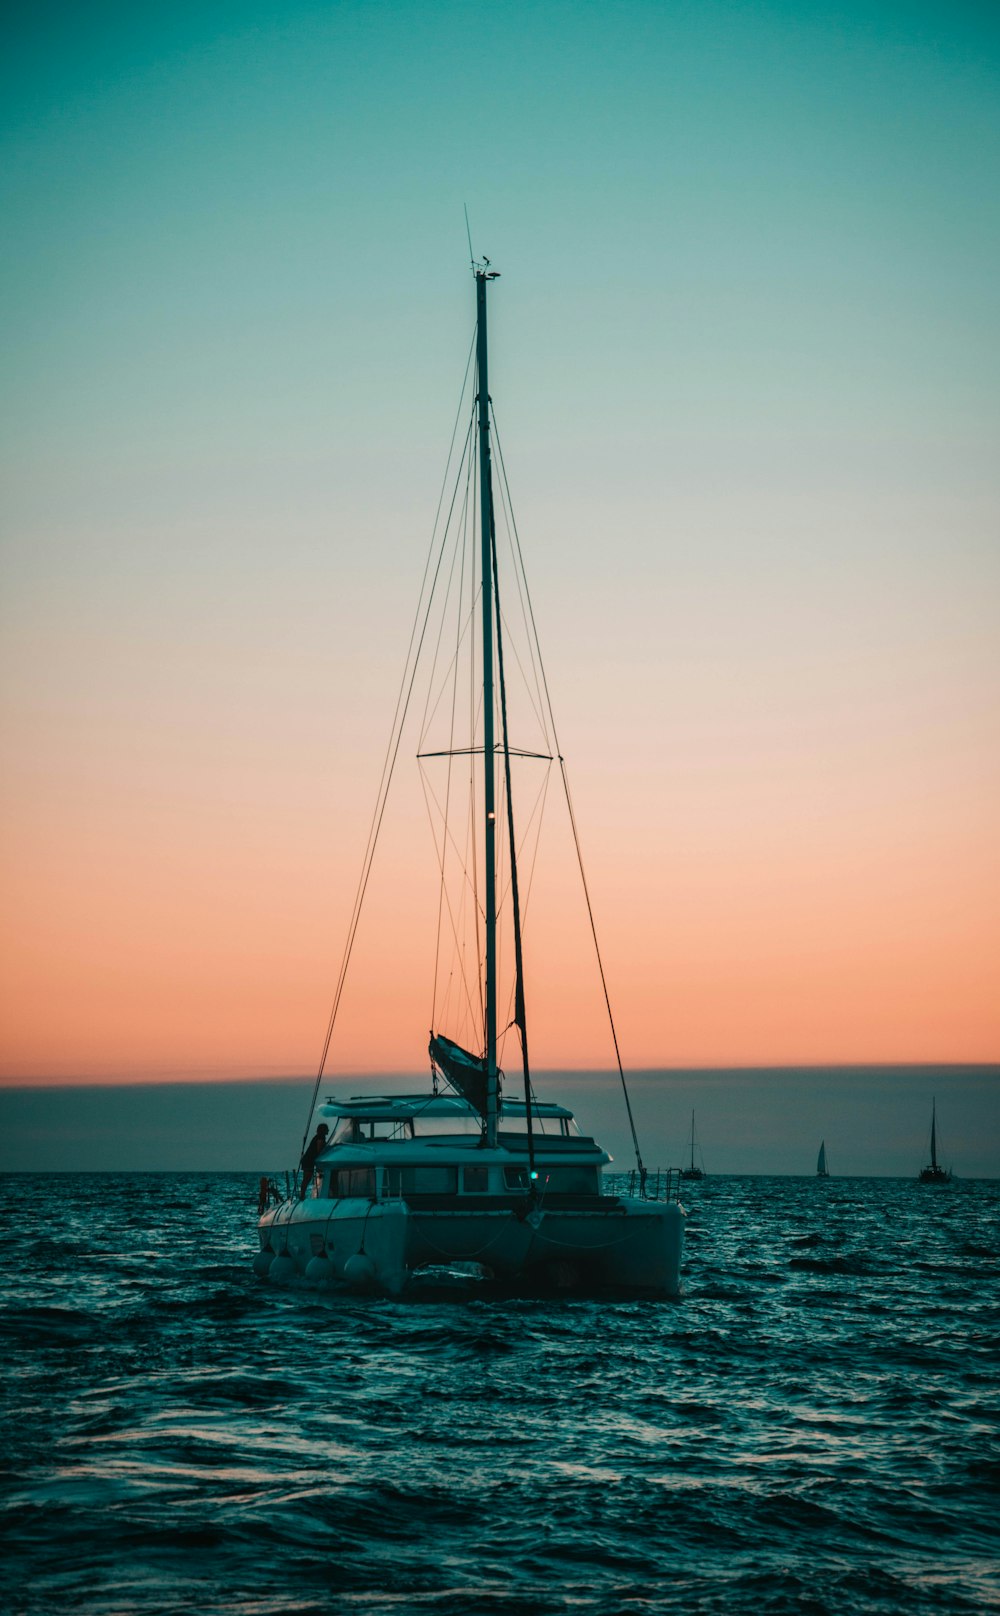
x=811, y=1428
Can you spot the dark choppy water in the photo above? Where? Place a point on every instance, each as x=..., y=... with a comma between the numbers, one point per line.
x=812, y=1428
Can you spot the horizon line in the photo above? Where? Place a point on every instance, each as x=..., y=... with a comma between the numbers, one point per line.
x=174, y=1080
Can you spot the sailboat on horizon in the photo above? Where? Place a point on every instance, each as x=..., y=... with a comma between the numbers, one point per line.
x=933, y=1173
x=692, y=1171
x=822, y=1170
x=469, y=1175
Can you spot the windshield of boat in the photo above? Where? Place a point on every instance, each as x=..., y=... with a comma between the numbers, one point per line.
x=354, y=1130
x=430, y=1124
x=541, y=1124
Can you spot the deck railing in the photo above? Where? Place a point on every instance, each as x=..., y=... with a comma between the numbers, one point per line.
x=663, y=1184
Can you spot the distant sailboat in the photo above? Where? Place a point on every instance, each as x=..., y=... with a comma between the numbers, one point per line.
x=692, y=1171
x=822, y=1170
x=934, y=1174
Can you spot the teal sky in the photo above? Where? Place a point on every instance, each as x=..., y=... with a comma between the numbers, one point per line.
x=744, y=216
x=745, y=359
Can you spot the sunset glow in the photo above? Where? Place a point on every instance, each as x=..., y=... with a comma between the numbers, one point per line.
x=747, y=392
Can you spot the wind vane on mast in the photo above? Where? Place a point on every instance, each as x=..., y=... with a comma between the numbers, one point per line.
x=482, y=265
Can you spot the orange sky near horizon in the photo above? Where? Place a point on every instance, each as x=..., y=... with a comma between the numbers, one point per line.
x=760, y=917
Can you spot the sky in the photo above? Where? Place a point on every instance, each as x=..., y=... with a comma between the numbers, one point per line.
x=744, y=356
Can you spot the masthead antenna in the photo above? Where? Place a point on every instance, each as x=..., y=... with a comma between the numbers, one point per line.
x=480, y=267
x=468, y=232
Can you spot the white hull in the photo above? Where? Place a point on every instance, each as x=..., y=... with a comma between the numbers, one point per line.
x=629, y=1246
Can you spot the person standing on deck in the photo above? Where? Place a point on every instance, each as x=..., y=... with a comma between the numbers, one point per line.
x=309, y=1155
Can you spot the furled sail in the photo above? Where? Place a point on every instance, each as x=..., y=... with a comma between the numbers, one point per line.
x=464, y=1071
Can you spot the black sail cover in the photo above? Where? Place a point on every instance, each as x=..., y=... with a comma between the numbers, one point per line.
x=466, y=1073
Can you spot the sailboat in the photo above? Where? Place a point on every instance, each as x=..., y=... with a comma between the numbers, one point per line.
x=470, y=1177
x=822, y=1170
x=933, y=1173
x=692, y=1171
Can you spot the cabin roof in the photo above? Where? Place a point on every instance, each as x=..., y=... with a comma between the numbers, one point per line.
x=369, y=1108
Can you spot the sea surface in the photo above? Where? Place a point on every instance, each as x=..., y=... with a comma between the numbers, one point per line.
x=811, y=1428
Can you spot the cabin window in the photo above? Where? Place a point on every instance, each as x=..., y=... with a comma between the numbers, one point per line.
x=475, y=1180
x=430, y=1125
x=351, y=1130
x=421, y=1180
x=385, y=1128
x=555, y=1180
x=540, y=1124
x=353, y=1181
x=569, y=1180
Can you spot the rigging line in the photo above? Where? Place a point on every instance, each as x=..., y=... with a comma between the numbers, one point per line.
x=443, y=900
x=461, y=1001
x=505, y=907
x=572, y=820
x=437, y=514
x=460, y=634
x=520, y=570
x=383, y=784
x=436, y=682
x=456, y=541
x=507, y=508
x=524, y=839
x=519, y=1011
x=536, y=709
x=392, y=751
x=476, y=697
x=465, y=624
x=458, y=549
x=539, y=810
x=448, y=834
x=535, y=698
x=367, y=867
x=600, y=967
x=468, y=231
x=471, y=857
x=531, y=873
x=521, y=577
x=434, y=531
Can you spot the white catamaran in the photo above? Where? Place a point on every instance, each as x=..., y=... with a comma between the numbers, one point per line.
x=467, y=1177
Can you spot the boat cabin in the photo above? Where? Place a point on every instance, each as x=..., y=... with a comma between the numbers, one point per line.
x=432, y=1146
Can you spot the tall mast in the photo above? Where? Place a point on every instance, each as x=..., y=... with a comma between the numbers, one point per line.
x=489, y=781
x=934, y=1133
